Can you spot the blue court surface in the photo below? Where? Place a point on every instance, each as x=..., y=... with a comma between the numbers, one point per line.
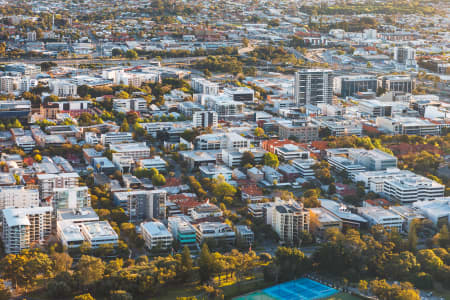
x=300, y=289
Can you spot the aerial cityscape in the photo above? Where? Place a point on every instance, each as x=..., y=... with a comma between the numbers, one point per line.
x=246, y=150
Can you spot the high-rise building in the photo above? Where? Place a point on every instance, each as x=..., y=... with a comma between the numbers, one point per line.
x=398, y=83
x=23, y=227
x=204, y=119
x=141, y=205
x=404, y=55
x=74, y=197
x=313, y=86
x=289, y=220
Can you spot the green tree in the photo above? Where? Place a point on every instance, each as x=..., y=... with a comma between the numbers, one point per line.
x=131, y=54
x=158, y=180
x=206, y=264
x=412, y=237
x=121, y=295
x=5, y=293
x=271, y=160
x=248, y=159
x=125, y=127
x=89, y=270
x=84, y=297
x=186, y=264
x=259, y=131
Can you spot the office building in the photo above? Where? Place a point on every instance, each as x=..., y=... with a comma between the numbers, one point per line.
x=373, y=160
x=23, y=227
x=153, y=163
x=313, y=86
x=205, y=119
x=245, y=235
x=325, y=220
x=18, y=197
x=304, y=166
x=140, y=205
x=116, y=138
x=398, y=83
x=345, y=86
x=349, y=219
x=375, y=108
x=20, y=109
x=216, y=141
x=134, y=150
x=407, y=125
x=156, y=235
x=435, y=209
x=379, y=216
x=240, y=94
x=405, y=55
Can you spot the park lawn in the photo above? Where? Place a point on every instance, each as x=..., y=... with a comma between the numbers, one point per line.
x=343, y=296
x=183, y=291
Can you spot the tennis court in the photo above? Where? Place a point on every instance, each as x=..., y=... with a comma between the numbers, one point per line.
x=300, y=289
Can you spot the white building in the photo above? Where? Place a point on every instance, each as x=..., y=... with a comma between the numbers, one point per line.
x=376, y=215
x=313, y=86
x=49, y=182
x=22, y=227
x=99, y=233
x=305, y=167
x=18, y=197
x=116, y=138
x=215, y=141
x=127, y=105
x=220, y=232
x=140, y=205
x=156, y=235
x=289, y=220
x=401, y=185
x=74, y=197
x=407, y=125
x=437, y=210
x=134, y=150
x=156, y=162
x=62, y=88
x=205, y=119
x=205, y=210
x=204, y=86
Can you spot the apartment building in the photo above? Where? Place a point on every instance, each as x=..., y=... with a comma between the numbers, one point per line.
x=313, y=86
x=289, y=220
x=300, y=130
x=205, y=119
x=156, y=235
x=183, y=231
x=140, y=205
x=73, y=197
x=99, y=233
x=62, y=88
x=23, y=227
x=203, y=86
x=18, y=197
x=49, y=182
x=127, y=105
x=217, y=231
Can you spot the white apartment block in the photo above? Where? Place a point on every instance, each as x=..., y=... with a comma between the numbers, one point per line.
x=134, y=150
x=99, y=233
x=63, y=88
x=156, y=235
x=49, y=182
x=8, y=84
x=73, y=197
x=156, y=162
x=140, y=205
x=289, y=220
x=216, y=231
x=116, y=138
x=205, y=210
x=204, y=86
x=205, y=119
x=229, y=141
x=305, y=167
x=127, y=105
x=376, y=215
x=23, y=227
x=18, y=197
